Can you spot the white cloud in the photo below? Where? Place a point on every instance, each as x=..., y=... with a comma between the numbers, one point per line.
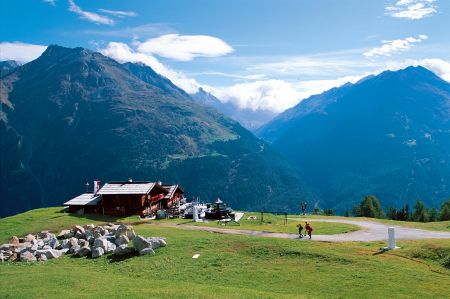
x=390, y=47
x=20, y=51
x=275, y=95
x=90, y=16
x=123, y=53
x=185, y=47
x=119, y=13
x=411, y=9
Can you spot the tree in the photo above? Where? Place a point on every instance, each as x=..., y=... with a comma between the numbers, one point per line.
x=371, y=207
x=346, y=213
x=420, y=212
x=328, y=212
x=445, y=211
x=433, y=215
x=392, y=213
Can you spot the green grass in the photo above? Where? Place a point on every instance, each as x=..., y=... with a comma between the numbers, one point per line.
x=274, y=224
x=229, y=266
x=438, y=225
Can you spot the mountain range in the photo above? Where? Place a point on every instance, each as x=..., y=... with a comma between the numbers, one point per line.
x=74, y=115
x=387, y=135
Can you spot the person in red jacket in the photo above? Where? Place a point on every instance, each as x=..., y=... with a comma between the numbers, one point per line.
x=308, y=229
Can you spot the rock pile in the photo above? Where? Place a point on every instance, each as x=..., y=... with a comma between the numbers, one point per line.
x=87, y=240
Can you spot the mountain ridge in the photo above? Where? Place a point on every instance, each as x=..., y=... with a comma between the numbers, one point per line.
x=76, y=114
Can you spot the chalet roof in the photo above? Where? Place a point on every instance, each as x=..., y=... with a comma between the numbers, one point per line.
x=126, y=188
x=171, y=189
x=85, y=199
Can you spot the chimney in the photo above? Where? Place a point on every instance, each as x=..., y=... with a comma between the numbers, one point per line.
x=160, y=183
x=130, y=180
x=96, y=186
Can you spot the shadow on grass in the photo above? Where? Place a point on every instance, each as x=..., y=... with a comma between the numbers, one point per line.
x=112, y=258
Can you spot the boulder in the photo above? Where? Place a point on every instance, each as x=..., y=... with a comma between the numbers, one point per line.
x=146, y=251
x=65, y=244
x=97, y=252
x=83, y=243
x=13, y=256
x=83, y=251
x=29, y=238
x=79, y=235
x=27, y=256
x=40, y=244
x=45, y=235
x=156, y=242
x=102, y=243
x=53, y=242
x=2, y=256
x=65, y=234
x=14, y=241
x=64, y=250
x=49, y=253
x=100, y=230
x=46, y=247
x=111, y=247
x=6, y=246
x=122, y=240
x=73, y=242
x=89, y=227
x=43, y=257
x=97, y=235
x=125, y=230
x=140, y=243
x=74, y=249
x=78, y=228
x=123, y=249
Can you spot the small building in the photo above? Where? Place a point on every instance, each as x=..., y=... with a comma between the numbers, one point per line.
x=131, y=198
x=173, y=197
x=88, y=203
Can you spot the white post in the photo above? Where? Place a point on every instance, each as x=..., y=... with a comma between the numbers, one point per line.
x=195, y=212
x=391, y=238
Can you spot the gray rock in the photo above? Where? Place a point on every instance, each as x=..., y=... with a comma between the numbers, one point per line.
x=122, y=240
x=111, y=247
x=83, y=243
x=89, y=227
x=102, y=243
x=14, y=241
x=45, y=247
x=65, y=250
x=79, y=235
x=6, y=246
x=97, y=252
x=97, y=235
x=65, y=244
x=53, y=242
x=123, y=249
x=73, y=242
x=43, y=257
x=29, y=238
x=140, y=243
x=100, y=230
x=125, y=230
x=65, y=234
x=27, y=256
x=88, y=234
x=40, y=244
x=49, y=253
x=79, y=229
x=156, y=242
x=83, y=251
x=146, y=251
x=74, y=249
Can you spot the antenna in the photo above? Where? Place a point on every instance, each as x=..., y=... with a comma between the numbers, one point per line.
x=87, y=186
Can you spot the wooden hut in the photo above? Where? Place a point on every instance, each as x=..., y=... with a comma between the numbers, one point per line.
x=86, y=203
x=131, y=198
x=173, y=196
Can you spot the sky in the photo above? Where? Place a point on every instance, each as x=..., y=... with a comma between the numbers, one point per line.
x=256, y=54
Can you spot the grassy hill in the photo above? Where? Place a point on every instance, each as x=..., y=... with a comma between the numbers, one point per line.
x=229, y=266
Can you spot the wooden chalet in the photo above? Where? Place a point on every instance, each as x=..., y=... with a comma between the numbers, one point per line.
x=85, y=203
x=173, y=197
x=131, y=198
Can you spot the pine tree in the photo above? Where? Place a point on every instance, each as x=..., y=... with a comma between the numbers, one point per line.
x=371, y=207
x=420, y=212
x=445, y=211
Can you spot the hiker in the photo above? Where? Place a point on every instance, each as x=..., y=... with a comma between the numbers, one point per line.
x=300, y=229
x=308, y=229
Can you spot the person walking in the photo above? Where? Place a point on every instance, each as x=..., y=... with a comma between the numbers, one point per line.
x=308, y=229
x=300, y=229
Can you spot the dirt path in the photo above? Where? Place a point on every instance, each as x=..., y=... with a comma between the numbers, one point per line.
x=370, y=231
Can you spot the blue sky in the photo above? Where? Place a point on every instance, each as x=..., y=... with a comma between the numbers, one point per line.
x=264, y=55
